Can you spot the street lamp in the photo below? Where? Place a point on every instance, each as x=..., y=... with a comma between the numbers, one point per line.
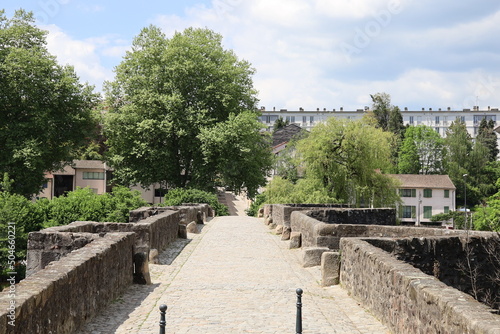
x=465, y=199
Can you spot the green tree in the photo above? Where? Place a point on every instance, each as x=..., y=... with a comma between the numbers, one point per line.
x=168, y=95
x=487, y=217
x=388, y=116
x=280, y=123
x=463, y=156
x=238, y=151
x=45, y=112
x=487, y=136
x=346, y=157
x=421, y=151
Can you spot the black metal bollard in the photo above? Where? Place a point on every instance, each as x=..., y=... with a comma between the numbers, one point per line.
x=163, y=322
x=298, y=322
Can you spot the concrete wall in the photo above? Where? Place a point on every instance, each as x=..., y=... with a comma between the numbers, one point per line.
x=61, y=297
x=406, y=299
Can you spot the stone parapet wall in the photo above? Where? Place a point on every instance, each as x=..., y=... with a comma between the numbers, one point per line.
x=318, y=234
x=188, y=212
x=354, y=216
x=47, y=247
x=406, y=299
x=154, y=232
x=452, y=260
x=61, y=297
x=281, y=213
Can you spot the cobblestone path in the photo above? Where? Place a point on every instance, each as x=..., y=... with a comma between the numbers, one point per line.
x=233, y=277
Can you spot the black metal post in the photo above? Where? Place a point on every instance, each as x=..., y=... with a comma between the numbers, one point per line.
x=298, y=322
x=163, y=322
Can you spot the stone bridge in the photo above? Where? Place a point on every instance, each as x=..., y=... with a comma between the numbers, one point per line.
x=239, y=274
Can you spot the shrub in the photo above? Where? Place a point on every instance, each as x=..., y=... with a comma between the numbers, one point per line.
x=18, y=217
x=260, y=200
x=83, y=204
x=179, y=196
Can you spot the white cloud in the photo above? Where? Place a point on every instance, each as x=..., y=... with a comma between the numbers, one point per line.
x=295, y=46
x=85, y=55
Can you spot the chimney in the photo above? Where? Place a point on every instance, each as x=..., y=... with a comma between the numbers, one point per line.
x=406, y=108
x=449, y=108
x=341, y=108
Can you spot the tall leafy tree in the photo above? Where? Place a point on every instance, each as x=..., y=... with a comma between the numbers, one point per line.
x=388, y=116
x=421, y=151
x=487, y=136
x=45, y=112
x=463, y=156
x=166, y=101
x=347, y=158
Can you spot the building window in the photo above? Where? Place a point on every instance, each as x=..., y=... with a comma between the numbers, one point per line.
x=408, y=192
x=407, y=211
x=411, y=120
x=427, y=212
x=437, y=120
x=290, y=119
x=160, y=192
x=304, y=119
x=446, y=193
x=437, y=130
x=45, y=185
x=93, y=175
x=427, y=193
x=311, y=119
x=446, y=209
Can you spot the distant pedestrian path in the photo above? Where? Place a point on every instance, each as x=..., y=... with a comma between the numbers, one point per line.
x=233, y=277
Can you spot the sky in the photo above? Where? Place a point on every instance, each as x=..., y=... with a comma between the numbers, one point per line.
x=306, y=53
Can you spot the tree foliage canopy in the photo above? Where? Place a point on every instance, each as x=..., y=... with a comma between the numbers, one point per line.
x=421, y=151
x=169, y=98
x=347, y=158
x=45, y=112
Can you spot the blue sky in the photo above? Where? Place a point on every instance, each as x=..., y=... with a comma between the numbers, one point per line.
x=307, y=53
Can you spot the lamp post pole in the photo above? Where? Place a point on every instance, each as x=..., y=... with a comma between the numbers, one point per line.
x=465, y=201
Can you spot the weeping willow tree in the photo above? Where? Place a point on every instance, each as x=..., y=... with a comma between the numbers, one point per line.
x=348, y=159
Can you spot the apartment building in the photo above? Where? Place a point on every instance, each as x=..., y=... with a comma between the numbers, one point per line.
x=438, y=119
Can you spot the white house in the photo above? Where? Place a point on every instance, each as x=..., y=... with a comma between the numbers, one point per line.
x=424, y=196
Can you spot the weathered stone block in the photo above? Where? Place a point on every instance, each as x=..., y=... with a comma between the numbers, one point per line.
x=141, y=265
x=330, y=268
x=279, y=229
x=182, y=231
x=153, y=256
x=268, y=220
x=260, y=214
x=286, y=233
x=192, y=227
x=311, y=256
x=295, y=240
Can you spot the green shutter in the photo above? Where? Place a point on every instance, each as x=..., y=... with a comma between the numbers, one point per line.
x=413, y=212
x=414, y=193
